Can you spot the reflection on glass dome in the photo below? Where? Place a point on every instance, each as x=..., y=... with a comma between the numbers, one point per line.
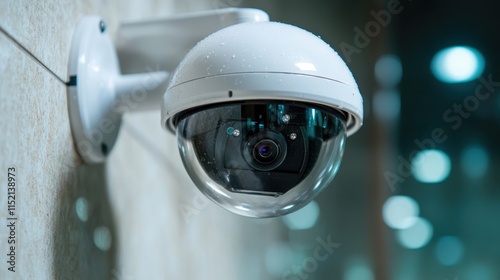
x=262, y=159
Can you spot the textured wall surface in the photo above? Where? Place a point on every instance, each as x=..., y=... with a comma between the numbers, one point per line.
x=35, y=140
x=137, y=216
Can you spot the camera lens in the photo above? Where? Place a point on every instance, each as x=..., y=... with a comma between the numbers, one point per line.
x=266, y=151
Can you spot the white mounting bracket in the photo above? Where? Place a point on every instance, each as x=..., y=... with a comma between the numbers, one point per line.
x=163, y=42
x=97, y=94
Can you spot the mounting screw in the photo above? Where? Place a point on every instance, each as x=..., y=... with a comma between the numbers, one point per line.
x=285, y=118
x=102, y=26
x=104, y=148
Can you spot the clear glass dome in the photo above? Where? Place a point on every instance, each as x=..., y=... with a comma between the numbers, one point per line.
x=262, y=159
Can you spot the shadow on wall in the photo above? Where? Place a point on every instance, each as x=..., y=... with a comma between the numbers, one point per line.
x=84, y=234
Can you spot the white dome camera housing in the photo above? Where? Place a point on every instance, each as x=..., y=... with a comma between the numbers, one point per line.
x=262, y=111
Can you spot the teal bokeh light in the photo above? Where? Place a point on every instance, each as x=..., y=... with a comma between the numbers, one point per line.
x=449, y=250
x=475, y=161
x=304, y=218
x=431, y=166
x=457, y=64
x=400, y=212
x=416, y=236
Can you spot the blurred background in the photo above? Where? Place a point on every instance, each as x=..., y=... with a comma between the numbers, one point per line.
x=417, y=195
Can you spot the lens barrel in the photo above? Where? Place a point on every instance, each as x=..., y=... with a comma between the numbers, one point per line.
x=266, y=151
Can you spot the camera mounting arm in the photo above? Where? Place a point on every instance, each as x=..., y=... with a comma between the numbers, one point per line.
x=98, y=94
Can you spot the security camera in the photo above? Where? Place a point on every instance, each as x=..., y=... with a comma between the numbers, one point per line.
x=261, y=111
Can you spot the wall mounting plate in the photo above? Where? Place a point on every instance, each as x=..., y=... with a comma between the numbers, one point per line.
x=93, y=70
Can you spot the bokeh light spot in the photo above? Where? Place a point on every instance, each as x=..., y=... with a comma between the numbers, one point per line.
x=358, y=271
x=82, y=209
x=431, y=166
x=304, y=218
x=416, y=236
x=102, y=238
x=388, y=70
x=475, y=162
x=400, y=212
x=457, y=64
x=449, y=250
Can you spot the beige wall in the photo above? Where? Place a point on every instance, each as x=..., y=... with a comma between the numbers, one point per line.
x=138, y=216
